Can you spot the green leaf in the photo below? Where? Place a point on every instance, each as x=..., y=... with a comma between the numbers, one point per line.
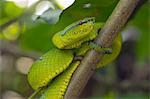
x=38, y=38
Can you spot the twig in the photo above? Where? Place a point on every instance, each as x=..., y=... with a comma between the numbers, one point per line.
x=127, y=84
x=10, y=48
x=35, y=93
x=108, y=33
x=27, y=12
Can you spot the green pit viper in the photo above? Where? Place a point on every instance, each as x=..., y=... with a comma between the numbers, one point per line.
x=51, y=73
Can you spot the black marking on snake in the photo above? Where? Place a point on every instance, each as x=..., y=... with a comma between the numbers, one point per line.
x=74, y=25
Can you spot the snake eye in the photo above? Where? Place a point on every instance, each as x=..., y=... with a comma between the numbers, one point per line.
x=82, y=22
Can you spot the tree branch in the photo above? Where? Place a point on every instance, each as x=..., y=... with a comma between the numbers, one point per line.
x=11, y=48
x=108, y=33
x=128, y=84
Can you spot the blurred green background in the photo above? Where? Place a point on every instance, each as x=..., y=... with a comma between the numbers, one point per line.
x=23, y=40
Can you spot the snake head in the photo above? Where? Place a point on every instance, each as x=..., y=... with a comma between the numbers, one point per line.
x=75, y=34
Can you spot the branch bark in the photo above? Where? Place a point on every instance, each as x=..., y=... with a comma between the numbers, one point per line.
x=112, y=27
